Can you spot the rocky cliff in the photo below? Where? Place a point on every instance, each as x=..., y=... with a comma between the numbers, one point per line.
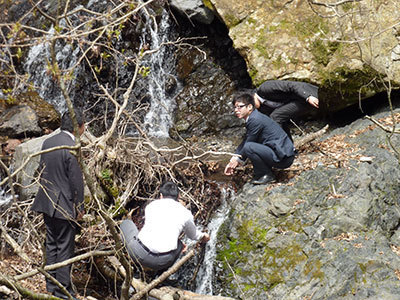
x=330, y=232
x=346, y=47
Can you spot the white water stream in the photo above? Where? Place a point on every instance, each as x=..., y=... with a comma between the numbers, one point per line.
x=204, y=281
x=161, y=65
x=5, y=198
x=36, y=66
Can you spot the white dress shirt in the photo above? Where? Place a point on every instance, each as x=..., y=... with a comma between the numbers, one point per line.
x=70, y=134
x=165, y=219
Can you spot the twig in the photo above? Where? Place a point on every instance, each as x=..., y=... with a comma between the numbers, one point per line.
x=383, y=127
x=11, y=283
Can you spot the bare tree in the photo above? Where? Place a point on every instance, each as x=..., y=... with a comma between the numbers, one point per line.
x=118, y=170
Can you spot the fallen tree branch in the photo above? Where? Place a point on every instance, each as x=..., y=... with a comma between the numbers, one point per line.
x=164, y=275
x=14, y=244
x=65, y=262
x=383, y=127
x=26, y=293
x=309, y=137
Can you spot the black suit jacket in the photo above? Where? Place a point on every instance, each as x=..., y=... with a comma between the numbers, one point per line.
x=263, y=130
x=61, y=184
x=286, y=91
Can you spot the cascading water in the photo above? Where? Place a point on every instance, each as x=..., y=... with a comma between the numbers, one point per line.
x=5, y=198
x=204, y=278
x=36, y=66
x=161, y=66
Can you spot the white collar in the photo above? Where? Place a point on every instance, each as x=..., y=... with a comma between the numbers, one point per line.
x=245, y=120
x=70, y=134
x=261, y=99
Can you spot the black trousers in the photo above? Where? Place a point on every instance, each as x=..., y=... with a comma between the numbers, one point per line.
x=264, y=158
x=60, y=244
x=283, y=114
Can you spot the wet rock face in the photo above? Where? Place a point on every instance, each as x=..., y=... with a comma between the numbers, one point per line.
x=203, y=105
x=333, y=232
x=209, y=74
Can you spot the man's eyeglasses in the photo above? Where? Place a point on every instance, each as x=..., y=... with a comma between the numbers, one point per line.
x=239, y=106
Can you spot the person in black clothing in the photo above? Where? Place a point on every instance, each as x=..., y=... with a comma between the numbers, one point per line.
x=60, y=199
x=283, y=100
x=266, y=144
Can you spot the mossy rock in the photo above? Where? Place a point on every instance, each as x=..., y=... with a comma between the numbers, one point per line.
x=49, y=117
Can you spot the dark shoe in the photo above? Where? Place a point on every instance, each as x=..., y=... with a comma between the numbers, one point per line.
x=263, y=179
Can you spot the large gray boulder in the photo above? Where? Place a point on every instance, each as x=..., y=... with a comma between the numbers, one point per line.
x=341, y=47
x=331, y=232
x=19, y=122
x=27, y=176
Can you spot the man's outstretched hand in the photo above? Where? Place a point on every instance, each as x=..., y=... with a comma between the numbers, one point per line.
x=313, y=101
x=231, y=166
x=205, y=238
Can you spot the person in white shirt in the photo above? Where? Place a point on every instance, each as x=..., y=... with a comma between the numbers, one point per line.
x=157, y=245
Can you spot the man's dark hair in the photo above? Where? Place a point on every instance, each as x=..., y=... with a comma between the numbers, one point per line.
x=169, y=190
x=245, y=98
x=66, y=121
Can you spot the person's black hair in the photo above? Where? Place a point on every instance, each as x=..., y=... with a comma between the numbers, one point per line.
x=66, y=121
x=169, y=190
x=246, y=90
x=245, y=98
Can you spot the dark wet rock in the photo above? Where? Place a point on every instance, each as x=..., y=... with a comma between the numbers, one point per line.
x=203, y=108
x=332, y=233
x=49, y=117
x=210, y=74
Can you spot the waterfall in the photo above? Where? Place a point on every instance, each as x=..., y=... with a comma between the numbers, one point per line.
x=36, y=65
x=205, y=276
x=5, y=198
x=158, y=68
x=161, y=66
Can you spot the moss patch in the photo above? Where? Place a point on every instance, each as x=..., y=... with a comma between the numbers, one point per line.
x=309, y=27
x=323, y=51
x=231, y=20
x=313, y=268
x=344, y=86
x=251, y=255
x=208, y=4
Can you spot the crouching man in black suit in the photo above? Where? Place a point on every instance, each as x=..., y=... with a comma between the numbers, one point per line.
x=283, y=100
x=60, y=199
x=266, y=144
